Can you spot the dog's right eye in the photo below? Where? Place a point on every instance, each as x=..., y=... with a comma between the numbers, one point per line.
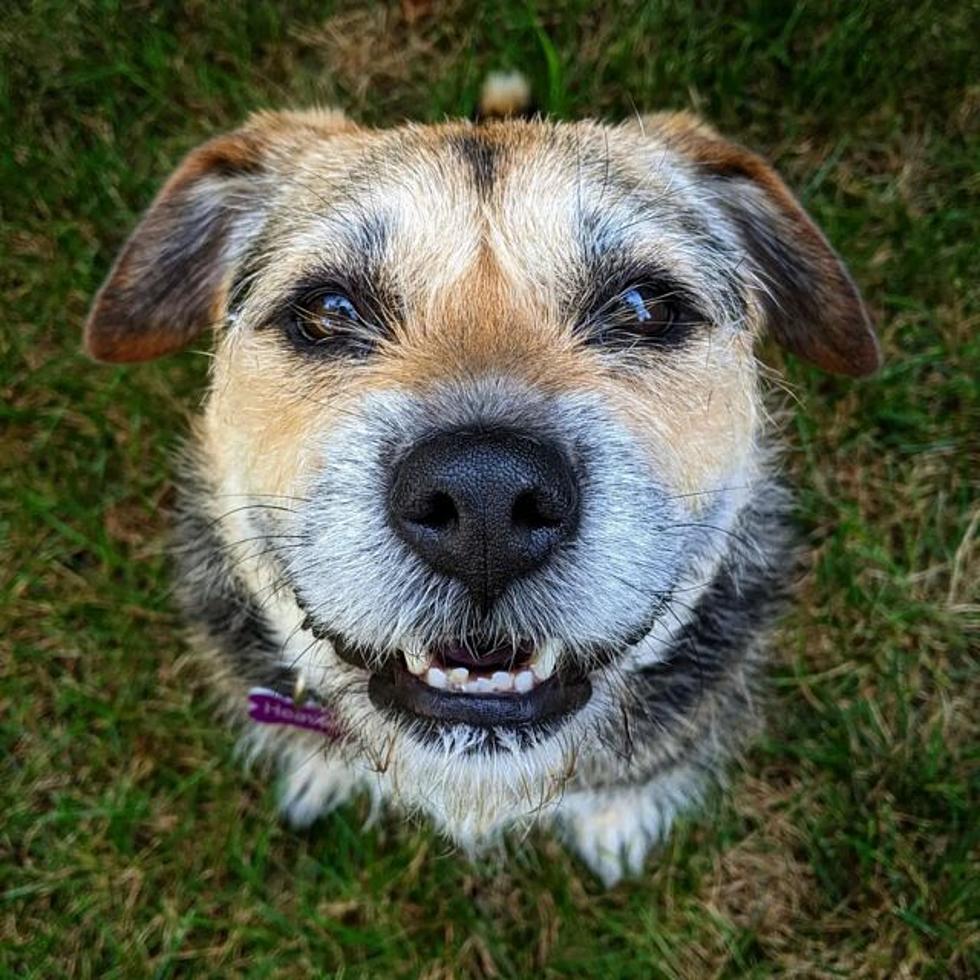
x=323, y=317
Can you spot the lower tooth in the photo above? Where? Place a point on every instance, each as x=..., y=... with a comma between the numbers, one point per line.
x=458, y=676
x=436, y=678
x=501, y=680
x=481, y=685
x=524, y=681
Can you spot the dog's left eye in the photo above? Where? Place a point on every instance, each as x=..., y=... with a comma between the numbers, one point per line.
x=324, y=316
x=645, y=314
x=646, y=310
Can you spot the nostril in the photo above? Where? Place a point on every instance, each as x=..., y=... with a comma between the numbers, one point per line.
x=528, y=514
x=439, y=513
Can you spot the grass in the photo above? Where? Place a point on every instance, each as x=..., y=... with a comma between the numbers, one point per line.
x=131, y=843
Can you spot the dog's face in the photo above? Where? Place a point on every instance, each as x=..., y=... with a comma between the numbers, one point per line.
x=484, y=410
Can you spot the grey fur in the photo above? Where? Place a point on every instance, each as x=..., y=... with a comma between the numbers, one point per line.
x=665, y=597
x=665, y=716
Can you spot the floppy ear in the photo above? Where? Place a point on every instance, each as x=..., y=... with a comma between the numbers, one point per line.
x=810, y=301
x=171, y=279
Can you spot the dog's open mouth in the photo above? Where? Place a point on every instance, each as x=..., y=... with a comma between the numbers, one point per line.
x=472, y=683
x=475, y=669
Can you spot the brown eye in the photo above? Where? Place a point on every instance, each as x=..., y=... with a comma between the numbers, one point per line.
x=322, y=317
x=651, y=314
x=642, y=311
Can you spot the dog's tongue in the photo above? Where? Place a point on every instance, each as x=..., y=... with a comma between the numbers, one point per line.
x=482, y=655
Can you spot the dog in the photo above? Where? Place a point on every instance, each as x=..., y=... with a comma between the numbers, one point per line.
x=481, y=515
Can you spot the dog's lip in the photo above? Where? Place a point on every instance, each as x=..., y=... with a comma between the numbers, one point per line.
x=393, y=687
x=550, y=701
x=559, y=696
x=359, y=656
x=482, y=656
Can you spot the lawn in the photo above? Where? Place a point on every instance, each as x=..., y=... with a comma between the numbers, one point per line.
x=132, y=844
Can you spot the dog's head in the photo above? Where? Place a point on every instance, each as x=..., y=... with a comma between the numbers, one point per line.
x=484, y=407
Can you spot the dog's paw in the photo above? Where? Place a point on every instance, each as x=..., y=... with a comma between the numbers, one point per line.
x=613, y=831
x=312, y=786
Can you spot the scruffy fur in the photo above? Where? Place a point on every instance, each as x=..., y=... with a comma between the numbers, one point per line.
x=489, y=255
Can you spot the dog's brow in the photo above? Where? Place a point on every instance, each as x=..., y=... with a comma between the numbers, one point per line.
x=609, y=263
x=357, y=248
x=480, y=154
x=367, y=238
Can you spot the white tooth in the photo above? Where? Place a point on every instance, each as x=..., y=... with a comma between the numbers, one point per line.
x=544, y=662
x=458, y=676
x=436, y=678
x=416, y=660
x=481, y=685
x=501, y=680
x=524, y=681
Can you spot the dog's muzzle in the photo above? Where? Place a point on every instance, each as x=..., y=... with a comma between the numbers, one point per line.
x=499, y=514
x=484, y=507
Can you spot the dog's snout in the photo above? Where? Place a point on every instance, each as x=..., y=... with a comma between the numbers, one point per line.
x=484, y=507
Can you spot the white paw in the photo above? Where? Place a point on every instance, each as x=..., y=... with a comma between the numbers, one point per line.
x=312, y=785
x=613, y=831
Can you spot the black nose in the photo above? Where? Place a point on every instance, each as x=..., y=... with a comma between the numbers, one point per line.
x=484, y=507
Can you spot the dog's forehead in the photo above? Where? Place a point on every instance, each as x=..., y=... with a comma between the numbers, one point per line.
x=428, y=201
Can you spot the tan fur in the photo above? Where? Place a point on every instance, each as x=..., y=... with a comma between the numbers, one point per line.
x=484, y=261
x=263, y=416
x=471, y=284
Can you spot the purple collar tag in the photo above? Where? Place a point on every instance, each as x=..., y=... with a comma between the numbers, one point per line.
x=271, y=708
